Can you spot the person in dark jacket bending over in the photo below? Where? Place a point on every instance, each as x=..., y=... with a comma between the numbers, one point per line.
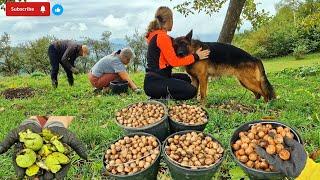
x=159, y=81
x=65, y=52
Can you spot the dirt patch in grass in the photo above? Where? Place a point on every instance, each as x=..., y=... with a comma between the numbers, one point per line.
x=18, y=93
x=232, y=106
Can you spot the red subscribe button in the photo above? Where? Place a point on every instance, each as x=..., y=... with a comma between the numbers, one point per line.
x=28, y=8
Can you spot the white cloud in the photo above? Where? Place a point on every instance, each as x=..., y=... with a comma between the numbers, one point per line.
x=23, y=26
x=69, y=26
x=55, y=29
x=82, y=26
x=113, y=22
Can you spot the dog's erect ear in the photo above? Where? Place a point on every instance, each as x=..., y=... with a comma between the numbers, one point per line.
x=189, y=35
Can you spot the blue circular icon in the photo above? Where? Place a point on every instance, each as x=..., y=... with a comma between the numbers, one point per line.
x=57, y=9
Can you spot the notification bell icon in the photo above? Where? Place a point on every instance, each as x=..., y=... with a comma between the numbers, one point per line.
x=42, y=9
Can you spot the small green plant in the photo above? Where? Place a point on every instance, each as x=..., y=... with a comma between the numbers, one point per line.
x=300, y=50
x=237, y=173
x=300, y=72
x=37, y=74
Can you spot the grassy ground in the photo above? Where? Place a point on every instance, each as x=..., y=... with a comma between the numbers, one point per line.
x=278, y=64
x=297, y=105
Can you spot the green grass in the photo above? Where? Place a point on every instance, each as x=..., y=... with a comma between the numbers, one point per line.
x=297, y=105
x=278, y=64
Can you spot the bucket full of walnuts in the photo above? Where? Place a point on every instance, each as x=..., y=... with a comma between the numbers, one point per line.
x=149, y=117
x=266, y=134
x=135, y=156
x=192, y=155
x=187, y=117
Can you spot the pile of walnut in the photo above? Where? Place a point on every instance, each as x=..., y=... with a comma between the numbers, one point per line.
x=193, y=150
x=140, y=114
x=188, y=114
x=132, y=154
x=271, y=139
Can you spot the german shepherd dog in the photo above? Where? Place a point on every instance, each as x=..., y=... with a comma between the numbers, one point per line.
x=224, y=59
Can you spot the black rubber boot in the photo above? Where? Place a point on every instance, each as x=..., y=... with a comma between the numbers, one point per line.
x=70, y=81
x=54, y=84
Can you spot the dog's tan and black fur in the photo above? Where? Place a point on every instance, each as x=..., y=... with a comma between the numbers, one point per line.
x=224, y=59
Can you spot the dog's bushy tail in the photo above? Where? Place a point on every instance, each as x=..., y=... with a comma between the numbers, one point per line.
x=265, y=84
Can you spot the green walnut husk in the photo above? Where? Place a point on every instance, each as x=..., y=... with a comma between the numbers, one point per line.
x=26, y=158
x=32, y=170
x=42, y=165
x=55, y=160
x=31, y=140
x=57, y=144
x=43, y=152
x=47, y=134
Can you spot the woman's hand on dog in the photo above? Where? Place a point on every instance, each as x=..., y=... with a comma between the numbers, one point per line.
x=203, y=54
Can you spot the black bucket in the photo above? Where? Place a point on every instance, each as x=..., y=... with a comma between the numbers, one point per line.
x=147, y=174
x=118, y=86
x=159, y=129
x=255, y=173
x=179, y=173
x=176, y=126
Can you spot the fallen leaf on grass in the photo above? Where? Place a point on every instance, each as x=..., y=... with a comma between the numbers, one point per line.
x=315, y=155
x=2, y=109
x=268, y=118
x=17, y=106
x=109, y=122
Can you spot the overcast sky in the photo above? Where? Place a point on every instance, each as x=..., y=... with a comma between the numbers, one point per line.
x=121, y=17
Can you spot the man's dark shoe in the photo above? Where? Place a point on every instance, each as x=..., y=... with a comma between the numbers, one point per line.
x=70, y=81
x=97, y=90
x=54, y=84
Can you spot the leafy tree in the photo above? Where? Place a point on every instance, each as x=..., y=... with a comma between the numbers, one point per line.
x=232, y=19
x=36, y=55
x=105, y=42
x=291, y=4
x=84, y=64
x=293, y=30
x=138, y=44
x=11, y=63
x=100, y=48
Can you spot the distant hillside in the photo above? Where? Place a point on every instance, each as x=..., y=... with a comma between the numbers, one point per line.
x=118, y=43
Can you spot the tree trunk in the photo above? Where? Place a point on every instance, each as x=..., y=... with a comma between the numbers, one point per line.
x=231, y=20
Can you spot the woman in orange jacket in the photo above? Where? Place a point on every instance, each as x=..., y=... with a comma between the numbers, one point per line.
x=159, y=81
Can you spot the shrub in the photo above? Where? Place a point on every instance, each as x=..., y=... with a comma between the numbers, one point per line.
x=290, y=31
x=300, y=50
x=300, y=72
